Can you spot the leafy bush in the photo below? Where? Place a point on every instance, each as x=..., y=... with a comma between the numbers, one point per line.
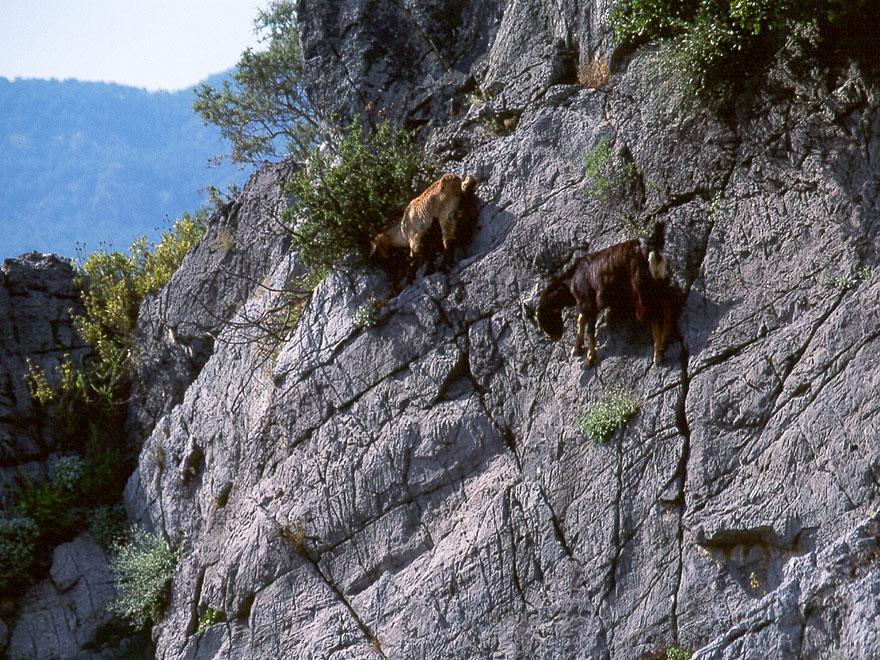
x=142, y=569
x=601, y=420
x=17, y=536
x=717, y=43
x=106, y=524
x=112, y=287
x=607, y=182
x=346, y=195
x=49, y=502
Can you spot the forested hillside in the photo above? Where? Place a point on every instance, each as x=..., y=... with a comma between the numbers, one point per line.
x=93, y=162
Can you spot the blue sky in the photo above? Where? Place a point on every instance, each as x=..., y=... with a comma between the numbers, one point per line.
x=156, y=44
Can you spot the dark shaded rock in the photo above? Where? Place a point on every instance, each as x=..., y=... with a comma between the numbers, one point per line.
x=37, y=293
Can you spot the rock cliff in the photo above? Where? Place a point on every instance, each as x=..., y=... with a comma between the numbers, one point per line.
x=420, y=488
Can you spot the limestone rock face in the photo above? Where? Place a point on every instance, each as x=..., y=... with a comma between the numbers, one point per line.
x=176, y=327
x=36, y=295
x=421, y=488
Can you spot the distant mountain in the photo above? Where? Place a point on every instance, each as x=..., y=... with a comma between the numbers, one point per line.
x=99, y=163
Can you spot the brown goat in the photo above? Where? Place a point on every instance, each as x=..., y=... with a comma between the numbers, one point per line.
x=439, y=202
x=629, y=278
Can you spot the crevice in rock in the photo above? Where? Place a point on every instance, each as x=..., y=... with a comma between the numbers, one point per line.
x=197, y=596
x=365, y=629
x=681, y=472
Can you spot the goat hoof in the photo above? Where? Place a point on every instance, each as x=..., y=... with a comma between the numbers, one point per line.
x=591, y=359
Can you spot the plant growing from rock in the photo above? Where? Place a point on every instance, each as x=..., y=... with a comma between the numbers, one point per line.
x=607, y=182
x=677, y=653
x=347, y=194
x=208, y=619
x=367, y=313
x=717, y=45
x=142, y=569
x=594, y=73
x=600, y=421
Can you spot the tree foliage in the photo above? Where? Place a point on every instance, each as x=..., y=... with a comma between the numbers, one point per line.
x=264, y=104
x=344, y=197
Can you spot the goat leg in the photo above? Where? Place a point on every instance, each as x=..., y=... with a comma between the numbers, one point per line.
x=658, y=333
x=579, y=339
x=591, y=343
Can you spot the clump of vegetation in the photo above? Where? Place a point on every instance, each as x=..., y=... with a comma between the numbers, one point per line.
x=346, y=195
x=50, y=502
x=599, y=422
x=112, y=288
x=17, y=537
x=107, y=524
x=607, y=182
x=367, y=313
x=718, y=43
x=295, y=532
x=677, y=653
x=208, y=619
x=142, y=570
x=593, y=73
x=85, y=398
x=262, y=110
x=852, y=279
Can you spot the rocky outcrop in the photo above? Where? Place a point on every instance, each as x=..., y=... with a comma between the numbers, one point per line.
x=176, y=328
x=37, y=293
x=420, y=488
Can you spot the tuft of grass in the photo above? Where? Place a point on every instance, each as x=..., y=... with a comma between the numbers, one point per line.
x=143, y=568
x=600, y=421
x=607, y=182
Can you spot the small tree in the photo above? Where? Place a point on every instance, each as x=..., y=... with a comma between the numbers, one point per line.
x=265, y=100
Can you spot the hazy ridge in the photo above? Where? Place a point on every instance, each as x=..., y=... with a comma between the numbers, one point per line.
x=93, y=163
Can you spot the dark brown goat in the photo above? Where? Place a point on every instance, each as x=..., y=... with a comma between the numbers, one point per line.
x=629, y=278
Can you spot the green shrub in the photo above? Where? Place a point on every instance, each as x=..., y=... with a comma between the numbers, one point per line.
x=142, y=570
x=718, y=43
x=112, y=287
x=367, y=313
x=208, y=619
x=106, y=524
x=600, y=421
x=607, y=182
x=51, y=502
x=677, y=653
x=345, y=196
x=17, y=537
